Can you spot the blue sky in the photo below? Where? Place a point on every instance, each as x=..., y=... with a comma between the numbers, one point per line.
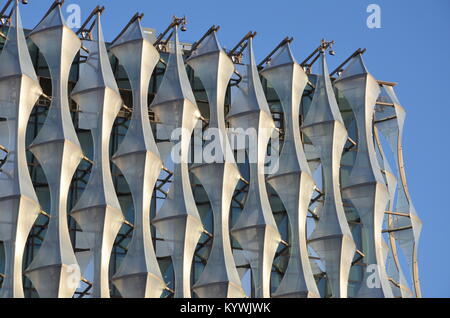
x=411, y=48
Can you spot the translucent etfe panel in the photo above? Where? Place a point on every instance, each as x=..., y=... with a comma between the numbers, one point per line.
x=98, y=210
x=406, y=224
x=220, y=176
x=54, y=271
x=289, y=80
x=332, y=239
x=256, y=229
x=394, y=270
x=366, y=188
x=178, y=220
x=399, y=284
x=19, y=207
x=138, y=159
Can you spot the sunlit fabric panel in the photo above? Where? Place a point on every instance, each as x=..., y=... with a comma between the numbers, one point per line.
x=54, y=270
x=178, y=219
x=366, y=188
x=255, y=230
x=19, y=206
x=404, y=223
x=332, y=238
x=292, y=181
x=98, y=210
x=218, y=173
x=138, y=159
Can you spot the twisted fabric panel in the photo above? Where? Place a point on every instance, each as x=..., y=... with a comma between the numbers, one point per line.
x=293, y=181
x=406, y=224
x=366, y=188
x=331, y=239
x=98, y=210
x=256, y=229
x=178, y=220
x=19, y=206
x=220, y=278
x=394, y=271
x=54, y=271
x=138, y=159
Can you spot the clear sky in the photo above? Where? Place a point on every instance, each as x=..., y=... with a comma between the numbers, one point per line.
x=412, y=47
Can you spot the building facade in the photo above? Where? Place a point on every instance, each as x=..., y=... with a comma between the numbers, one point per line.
x=147, y=167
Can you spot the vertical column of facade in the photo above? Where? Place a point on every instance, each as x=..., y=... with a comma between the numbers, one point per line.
x=399, y=285
x=220, y=175
x=366, y=188
x=19, y=206
x=178, y=220
x=405, y=223
x=293, y=181
x=98, y=210
x=332, y=238
x=54, y=271
x=138, y=159
x=255, y=230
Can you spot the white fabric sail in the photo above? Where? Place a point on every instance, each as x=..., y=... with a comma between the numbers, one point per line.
x=19, y=206
x=54, y=271
x=293, y=181
x=256, y=229
x=138, y=159
x=98, y=210
x=220, y=278
x=178, y=220
x=366, y=188
x=332, y=238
